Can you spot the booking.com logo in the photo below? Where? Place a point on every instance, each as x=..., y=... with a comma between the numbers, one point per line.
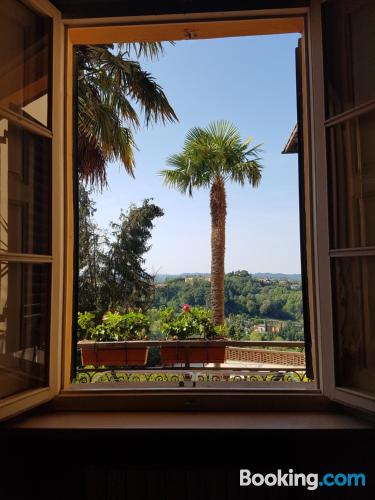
x=311, y=481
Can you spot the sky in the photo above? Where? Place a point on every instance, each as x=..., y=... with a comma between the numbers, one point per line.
x=249, y=81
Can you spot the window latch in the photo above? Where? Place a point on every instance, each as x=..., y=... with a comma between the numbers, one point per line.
x=4, y=137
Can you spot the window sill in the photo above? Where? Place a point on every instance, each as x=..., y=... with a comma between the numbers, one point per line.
x=187, y=421
x=190, y=399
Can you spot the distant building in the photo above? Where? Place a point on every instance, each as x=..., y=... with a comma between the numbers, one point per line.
x=274, y=326
x=260, y=328
x=265, y=281
x=191, y=279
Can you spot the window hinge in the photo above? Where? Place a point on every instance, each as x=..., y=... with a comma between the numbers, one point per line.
x=3, y=138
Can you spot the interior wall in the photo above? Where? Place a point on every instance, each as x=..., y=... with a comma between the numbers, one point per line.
x=113, y=8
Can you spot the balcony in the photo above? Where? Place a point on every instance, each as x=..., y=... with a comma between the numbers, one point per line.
x=194, y=362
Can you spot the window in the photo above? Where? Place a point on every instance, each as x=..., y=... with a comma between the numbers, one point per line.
x=324, y=311
x=201, y=30
x=350, y=128
x=28, y=243
x=25, y=200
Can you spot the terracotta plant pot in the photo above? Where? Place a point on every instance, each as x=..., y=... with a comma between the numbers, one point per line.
x=206, y=354
x=112, y=354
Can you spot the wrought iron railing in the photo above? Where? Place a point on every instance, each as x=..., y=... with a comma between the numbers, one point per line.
x=244, y=361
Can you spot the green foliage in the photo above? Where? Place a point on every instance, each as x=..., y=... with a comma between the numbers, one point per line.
x=208, y=153
x=124, y=282
x=91, y=257
x=197, y=322
x=238, y=326
x=293, y=330
x=256, y=336
x=248, y=301
x=153, y=315
x=111, y=274
x=177, y=292
x=86, y=324
x=133, y=325
x=110, y=83
x=243, y=295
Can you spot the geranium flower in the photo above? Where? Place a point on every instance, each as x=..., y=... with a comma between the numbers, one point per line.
x=186, y=308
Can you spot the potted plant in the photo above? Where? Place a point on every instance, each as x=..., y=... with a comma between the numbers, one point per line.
x=195, y=325
x=114, y=341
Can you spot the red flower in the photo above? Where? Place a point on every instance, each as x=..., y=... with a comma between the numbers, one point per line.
x=186, y=308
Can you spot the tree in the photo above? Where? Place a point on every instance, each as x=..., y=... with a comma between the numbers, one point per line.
x=109, y=81
x=124, y=281
x=211, y=157
x=111, y=271
x=90, y=254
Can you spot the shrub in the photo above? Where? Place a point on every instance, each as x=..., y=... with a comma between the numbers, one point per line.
x=137, y=325
x=115, y=326
x=192, y=322
x=86, y=324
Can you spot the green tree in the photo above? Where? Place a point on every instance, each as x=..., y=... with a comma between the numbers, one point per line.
x=252, y=307
x=211, y=157
x=125, y=283
x=110, y=82
x=256, y=336
x=90, y=254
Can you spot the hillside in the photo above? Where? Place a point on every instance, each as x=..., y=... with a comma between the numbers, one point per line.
x=249, y=300
x=160, y=278
x=278, y=276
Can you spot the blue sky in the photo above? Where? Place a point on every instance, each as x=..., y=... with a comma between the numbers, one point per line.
x=249, y=81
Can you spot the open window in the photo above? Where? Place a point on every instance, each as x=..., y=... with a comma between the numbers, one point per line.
x=248, y=362
x=349, y=77
x=31, y=225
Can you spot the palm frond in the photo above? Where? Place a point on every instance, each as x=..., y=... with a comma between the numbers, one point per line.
x=211, y=153
x=127, y=77
x=178, y=179
x=250, y=172
x=92, y=164
x=180, y=176
x=108, y=83
x=149, y=50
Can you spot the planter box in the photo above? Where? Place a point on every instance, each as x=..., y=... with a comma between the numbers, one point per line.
x=112, y=354
x=192, y=354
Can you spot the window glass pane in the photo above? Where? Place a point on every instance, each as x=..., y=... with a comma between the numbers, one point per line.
x=354, y=322
x=25, y=198
x=24, y=326
x=349, y=55
x=351, y=159
x=24, y=61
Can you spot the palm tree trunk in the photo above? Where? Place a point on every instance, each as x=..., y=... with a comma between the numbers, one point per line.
x=218, y=207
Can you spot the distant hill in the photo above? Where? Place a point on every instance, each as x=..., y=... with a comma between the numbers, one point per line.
x=160, y=278
x=247, y=298
x=278, y=276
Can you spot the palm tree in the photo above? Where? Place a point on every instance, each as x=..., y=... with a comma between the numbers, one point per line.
x=211, y=157
x=112, y=91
